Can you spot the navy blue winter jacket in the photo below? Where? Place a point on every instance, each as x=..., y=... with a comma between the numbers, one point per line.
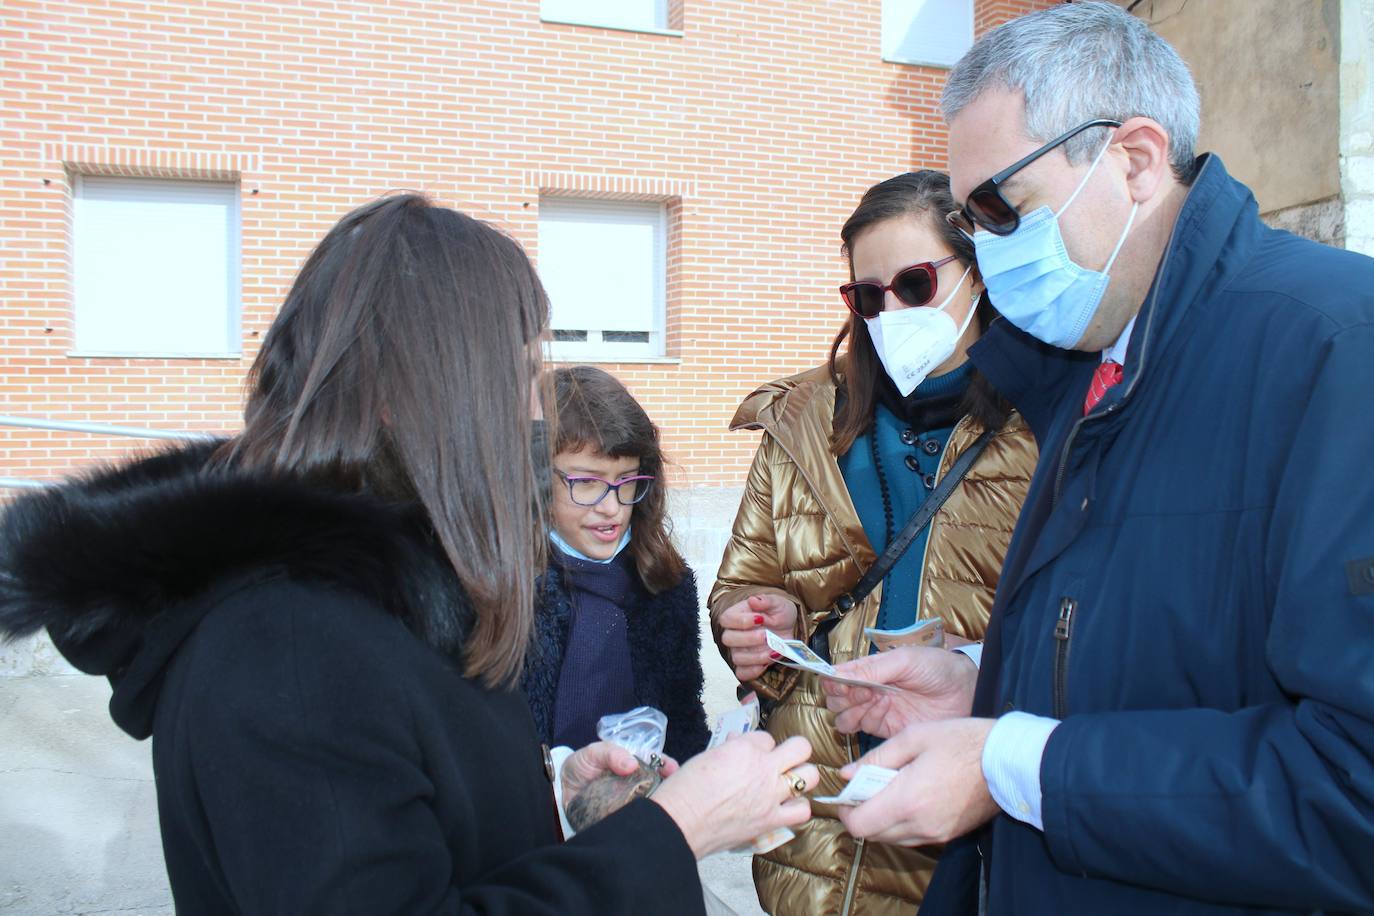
x=1191, y=588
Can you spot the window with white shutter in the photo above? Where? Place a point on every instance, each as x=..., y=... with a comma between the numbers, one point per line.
x=931, y=32
x=634, y=15
x=156, y=267
x=603, y=264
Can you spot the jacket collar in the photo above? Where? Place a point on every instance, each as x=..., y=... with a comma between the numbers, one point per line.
x=799, y=413
x=118, y=566
x=1218, y=217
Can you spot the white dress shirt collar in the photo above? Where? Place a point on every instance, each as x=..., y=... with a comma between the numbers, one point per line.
x=1117, y=352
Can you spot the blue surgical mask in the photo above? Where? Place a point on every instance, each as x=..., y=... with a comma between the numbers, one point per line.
x=561, y=543
x=1035, y=284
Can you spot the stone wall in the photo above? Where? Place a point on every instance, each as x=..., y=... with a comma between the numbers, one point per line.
x=1267, y=74
x=1323, y=221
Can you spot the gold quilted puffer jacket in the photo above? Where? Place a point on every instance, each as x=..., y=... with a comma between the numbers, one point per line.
x=798, y=534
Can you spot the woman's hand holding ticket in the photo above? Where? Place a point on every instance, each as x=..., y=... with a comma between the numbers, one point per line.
x=745, y=627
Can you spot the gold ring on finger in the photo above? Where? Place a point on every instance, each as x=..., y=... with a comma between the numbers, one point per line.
x=795, y=784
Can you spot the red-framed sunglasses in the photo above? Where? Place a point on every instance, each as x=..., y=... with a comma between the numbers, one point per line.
x=986, y=206
x=914, y=285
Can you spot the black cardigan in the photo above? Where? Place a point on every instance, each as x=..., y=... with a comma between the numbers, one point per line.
x=665, y=655
x=293, y=653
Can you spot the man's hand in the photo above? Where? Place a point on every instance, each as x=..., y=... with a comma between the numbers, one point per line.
x=742, y=631
x=934, y=684
x=939, y=792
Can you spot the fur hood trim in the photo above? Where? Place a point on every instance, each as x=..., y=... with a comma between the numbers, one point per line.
x=99, y=559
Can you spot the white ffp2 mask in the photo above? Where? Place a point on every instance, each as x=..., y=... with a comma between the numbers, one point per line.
x=912, y=341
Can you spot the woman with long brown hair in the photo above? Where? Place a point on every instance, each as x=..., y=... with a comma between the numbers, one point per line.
x=616, y=615
x=851, y=451
x=322, y=621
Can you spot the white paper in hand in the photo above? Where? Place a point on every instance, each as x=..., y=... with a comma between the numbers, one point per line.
x=741, y=720
x=738, y=721
x=778, y=836
x=797, y=654
x=867, y=782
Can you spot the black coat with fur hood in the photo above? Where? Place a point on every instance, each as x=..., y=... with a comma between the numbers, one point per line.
x=665, y=656
x=293, y=652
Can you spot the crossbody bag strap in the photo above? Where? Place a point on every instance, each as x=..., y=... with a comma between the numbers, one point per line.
x=889, y=557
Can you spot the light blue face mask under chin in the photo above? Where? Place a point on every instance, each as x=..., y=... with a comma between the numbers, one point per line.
x=1035, y=284
x=576, y=554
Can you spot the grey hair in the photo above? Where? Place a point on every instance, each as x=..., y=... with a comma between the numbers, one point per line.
x=1080, y=61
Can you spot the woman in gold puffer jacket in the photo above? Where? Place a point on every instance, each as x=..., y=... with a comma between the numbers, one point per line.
x=846, y=458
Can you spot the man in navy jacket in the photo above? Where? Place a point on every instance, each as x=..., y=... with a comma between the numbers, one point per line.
x=1181, y=656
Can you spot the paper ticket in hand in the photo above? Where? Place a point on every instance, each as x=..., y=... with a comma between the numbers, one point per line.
x=769, y=841
x=867, y=782
x=929, y=632
x=741, y=720
x=797, y=654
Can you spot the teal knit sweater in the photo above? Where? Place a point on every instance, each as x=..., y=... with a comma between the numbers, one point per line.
x=910, y=458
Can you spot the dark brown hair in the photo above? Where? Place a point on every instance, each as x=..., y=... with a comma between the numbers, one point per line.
x=401, y=364
x=923, y=194
x=594, y=410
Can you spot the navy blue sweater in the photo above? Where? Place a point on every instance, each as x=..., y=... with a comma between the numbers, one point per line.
x=910, y=452
x=664, y=636
x=596, y=677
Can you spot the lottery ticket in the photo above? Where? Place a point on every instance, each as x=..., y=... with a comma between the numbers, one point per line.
x=769, y=841
x=738, y=721
x=742, y=719
x=797, y=654
x=867, y=782
x=929, y=632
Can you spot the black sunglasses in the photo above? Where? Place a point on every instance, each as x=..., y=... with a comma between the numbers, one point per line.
x=985, y=205
x=914, y=285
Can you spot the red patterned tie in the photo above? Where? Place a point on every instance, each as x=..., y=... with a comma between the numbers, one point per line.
x=1108, y=374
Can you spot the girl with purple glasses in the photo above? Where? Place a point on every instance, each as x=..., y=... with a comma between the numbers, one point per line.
x=616, y=618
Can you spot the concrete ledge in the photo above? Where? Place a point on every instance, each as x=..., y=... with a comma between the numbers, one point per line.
x=32, y=656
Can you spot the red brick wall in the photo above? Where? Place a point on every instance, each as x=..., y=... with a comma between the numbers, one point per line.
x=762, y=124
x=990, y=13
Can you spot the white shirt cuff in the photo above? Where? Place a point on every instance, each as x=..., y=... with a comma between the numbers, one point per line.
x=560, y=756
x=974, y=651
x=1011, y=764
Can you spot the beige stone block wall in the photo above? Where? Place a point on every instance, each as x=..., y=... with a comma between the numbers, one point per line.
x=1267, y=71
